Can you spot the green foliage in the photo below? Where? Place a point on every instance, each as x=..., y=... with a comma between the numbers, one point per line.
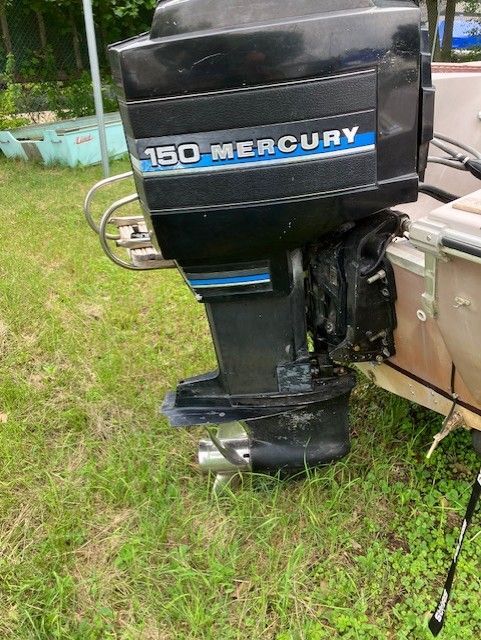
x=105, y=8
x=473, y=55
x=123, y=18
x=38, y=66
x=131, y=8
x=67, y=100
x=12, y=122
x=75, y=99
x=35, y=81
x=115, y=20
x=9, y=98
x=472, y=6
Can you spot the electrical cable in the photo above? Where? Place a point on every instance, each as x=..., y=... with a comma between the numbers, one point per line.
x=380, y=260
x=438, y=194
x=447, y=162
x=460, y=145
x=444, y=147
x=473, y=165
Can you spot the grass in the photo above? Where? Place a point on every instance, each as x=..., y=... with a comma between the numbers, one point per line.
x=107, y=529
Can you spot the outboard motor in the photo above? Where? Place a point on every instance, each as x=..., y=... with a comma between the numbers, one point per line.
x=268, y=142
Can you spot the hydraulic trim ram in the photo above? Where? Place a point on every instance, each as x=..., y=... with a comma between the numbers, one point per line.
x=268, y=141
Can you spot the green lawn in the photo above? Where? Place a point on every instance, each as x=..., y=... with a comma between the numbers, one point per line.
x=107, y=529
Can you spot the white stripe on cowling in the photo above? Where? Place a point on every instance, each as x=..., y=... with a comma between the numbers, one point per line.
x=230, y=284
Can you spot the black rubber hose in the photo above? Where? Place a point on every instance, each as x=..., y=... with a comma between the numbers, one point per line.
x=438, y=194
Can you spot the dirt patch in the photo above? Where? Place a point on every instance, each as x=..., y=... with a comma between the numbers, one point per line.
x=394, y=543
x=39, y=117
x=92, y=311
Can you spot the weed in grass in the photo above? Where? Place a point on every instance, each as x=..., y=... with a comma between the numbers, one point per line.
x=107, y=529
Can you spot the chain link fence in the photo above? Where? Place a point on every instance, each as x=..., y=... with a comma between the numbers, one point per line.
x=44, y=67
x=45, y=46
x=43, y=58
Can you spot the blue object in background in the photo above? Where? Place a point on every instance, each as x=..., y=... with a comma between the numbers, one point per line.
x=69, y=142
x=466, y=34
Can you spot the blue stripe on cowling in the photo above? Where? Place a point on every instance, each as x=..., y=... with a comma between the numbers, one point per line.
x=206, y=161
x=231, y=280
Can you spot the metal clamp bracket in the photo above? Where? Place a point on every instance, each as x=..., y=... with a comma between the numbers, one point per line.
x=426, y=235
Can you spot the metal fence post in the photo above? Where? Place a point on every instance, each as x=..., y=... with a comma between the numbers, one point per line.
x=96, y=83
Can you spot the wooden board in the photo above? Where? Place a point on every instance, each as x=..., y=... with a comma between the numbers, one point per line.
x=471, y=203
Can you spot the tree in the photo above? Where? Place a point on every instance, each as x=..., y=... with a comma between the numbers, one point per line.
x=449, y=17
x=69, y=10
x=40, y=7
x=469, y=6
x=7, y=40
x=432, y=6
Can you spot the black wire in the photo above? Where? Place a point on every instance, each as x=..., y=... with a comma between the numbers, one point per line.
x=372, y=269
x=437, y=193
x=453, y=379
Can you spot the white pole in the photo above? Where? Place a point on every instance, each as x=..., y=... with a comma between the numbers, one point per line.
x=96, y=83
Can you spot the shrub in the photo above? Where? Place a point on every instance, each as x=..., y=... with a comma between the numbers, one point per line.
x=23, y=102
x=75, y=99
